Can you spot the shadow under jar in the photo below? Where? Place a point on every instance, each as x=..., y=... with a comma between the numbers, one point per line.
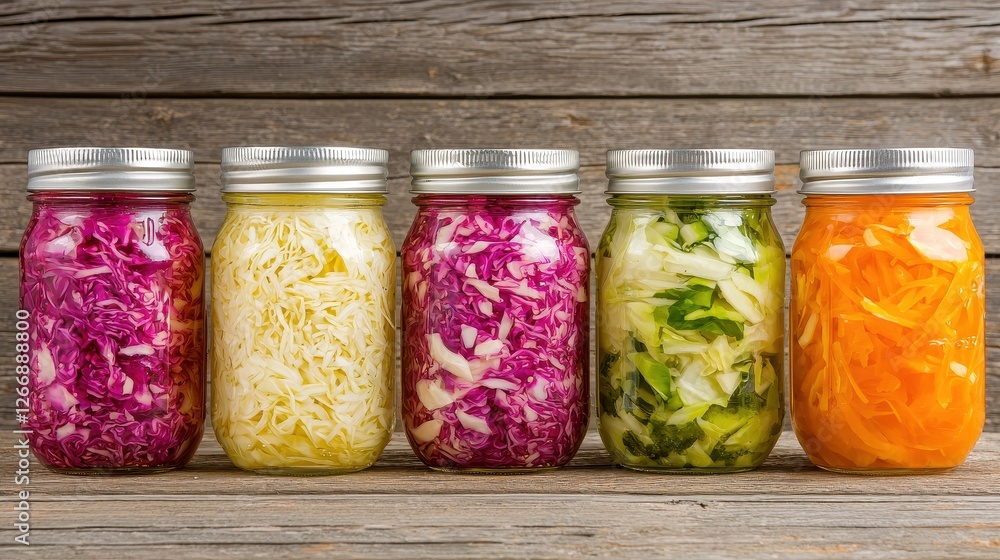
x=303, y=310
x=495, y=311
x=887, y=311
x=112, y=294
x=690, y=311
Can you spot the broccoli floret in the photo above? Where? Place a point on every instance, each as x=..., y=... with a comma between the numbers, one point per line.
x=673, y=438
x=633, y=444
x=726, y=454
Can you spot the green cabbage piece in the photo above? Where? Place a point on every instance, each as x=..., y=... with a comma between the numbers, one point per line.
x=690, y=326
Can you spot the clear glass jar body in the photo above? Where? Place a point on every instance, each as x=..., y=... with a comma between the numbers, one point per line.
x=303, y=332
x=887, y=333
x=496, y=332
x=112, y=290
x=690, y=322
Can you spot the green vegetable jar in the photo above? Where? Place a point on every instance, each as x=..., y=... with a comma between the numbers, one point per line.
x=690, y=311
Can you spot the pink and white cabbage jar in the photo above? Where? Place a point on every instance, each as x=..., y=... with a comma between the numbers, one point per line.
x=112, y=295
x=495, y=311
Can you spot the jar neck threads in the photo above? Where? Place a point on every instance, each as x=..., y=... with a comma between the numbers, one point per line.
x=110, y=198
x=305, y=200
x=498, y=202
x=706, y=202
x=872, y=202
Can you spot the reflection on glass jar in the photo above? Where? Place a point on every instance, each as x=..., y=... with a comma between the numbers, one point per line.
x=887, y=314
x=690, y=312
x=112, y=280
x=303, y=295
x=495, y=311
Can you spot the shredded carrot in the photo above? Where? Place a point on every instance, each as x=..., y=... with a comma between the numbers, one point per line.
x=887, y=332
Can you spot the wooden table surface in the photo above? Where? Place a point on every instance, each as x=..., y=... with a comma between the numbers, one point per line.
x=590, y=509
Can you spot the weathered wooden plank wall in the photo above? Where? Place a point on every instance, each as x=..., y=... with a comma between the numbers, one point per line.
x=780, y=74
x=567, y=48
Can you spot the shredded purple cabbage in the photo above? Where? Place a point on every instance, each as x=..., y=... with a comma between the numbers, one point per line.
x=115, y=292
x=496, y=319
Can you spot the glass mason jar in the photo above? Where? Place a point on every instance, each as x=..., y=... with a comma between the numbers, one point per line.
x=690, y=311
x=303, y=308
x=112, y=298
x=495, y=311
x=887, y=312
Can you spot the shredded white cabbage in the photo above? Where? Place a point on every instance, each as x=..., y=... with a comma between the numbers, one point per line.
x=303, y=335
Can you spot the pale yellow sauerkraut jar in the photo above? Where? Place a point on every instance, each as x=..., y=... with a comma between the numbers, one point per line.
x=303, y=307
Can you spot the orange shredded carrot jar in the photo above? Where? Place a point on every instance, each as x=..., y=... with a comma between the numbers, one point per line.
x=887, y=312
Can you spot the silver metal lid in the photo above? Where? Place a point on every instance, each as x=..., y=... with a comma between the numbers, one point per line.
x=494, y=171
x=305, y=169
x=690, y=172
x=886, y=171
x=111, y=169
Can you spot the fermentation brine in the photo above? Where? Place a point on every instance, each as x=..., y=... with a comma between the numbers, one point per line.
x=495, y=311
x=303, y=283
x=112, y=301
x=887, y=314
x=690, y=292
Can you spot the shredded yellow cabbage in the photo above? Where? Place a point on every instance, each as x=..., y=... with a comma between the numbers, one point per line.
x=303, y=303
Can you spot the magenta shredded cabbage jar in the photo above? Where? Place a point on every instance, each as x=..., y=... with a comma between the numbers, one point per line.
x=112, y=297
x=495, y=311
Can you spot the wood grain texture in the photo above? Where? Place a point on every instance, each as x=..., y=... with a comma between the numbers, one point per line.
x=589, y=509
x=592, y=126
x=566, y=48
x=780, y=74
